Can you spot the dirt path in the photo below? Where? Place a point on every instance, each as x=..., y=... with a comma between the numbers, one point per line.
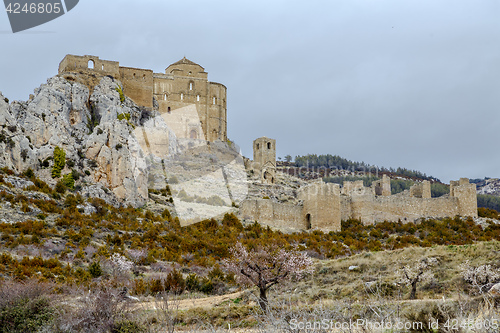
x=186, y=304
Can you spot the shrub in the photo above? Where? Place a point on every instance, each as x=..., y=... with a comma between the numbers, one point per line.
x=29, y=174
x=61, y=186
x=120, y=91
x=24, y=155
x=24, y=307
x=122, y=116
x=68, y=180
x=128, y=326
x=193, y=282
x=175, y=282
x=95, y=269
x=59, y=162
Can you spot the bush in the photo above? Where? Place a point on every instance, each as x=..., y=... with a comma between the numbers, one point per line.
x=175, y=282
x=122, y=96
x=24, y=307
x=61, y=186
x=68, y=181
x=95, y=269
x=59, y=162
x=128, y=326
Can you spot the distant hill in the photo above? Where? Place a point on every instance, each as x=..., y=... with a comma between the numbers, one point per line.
x=336, y=162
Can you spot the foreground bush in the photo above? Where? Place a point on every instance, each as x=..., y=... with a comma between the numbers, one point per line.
x=24, y=307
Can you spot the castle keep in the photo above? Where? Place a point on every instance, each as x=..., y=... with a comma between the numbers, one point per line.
x=196, y=105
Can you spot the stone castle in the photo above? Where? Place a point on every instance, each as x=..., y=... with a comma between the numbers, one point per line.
x=323, y=206
x=196, y=105
x=196, y=109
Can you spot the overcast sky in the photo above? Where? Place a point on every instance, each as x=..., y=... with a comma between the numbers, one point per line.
x=410, y=83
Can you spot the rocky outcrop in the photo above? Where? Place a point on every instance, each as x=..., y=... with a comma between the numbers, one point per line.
x=489, y=186
x=95, y=130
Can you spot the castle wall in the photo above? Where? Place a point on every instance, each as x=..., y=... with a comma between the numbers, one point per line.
x=371, y=209
x=279, y=215
x=321, y=206
x=72, y=63
x=138, y=85
x=184, y=85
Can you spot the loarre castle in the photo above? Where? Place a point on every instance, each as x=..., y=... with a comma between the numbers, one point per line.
x=320, y=206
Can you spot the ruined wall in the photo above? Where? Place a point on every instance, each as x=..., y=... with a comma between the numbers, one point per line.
x=370, y=209
x=279, y=215
x=466, y=195
x=383, y=186
x=421, y=190
x=321, y=206
x=89, y=64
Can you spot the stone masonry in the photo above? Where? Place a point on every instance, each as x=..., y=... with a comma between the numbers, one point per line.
x=182, y=91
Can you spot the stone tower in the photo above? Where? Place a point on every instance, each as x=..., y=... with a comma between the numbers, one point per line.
x=264, y=158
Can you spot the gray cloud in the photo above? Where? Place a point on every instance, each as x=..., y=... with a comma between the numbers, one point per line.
x=394, y=83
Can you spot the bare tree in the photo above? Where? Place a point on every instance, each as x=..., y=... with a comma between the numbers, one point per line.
x=265, y=267
x=419, y=272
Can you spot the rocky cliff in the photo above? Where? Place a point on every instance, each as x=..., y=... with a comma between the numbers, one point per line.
x=95, y=129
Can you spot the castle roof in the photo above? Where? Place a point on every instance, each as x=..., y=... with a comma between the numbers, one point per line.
x=185, y=61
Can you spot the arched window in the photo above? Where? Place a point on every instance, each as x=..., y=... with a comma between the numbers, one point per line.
x=164, y=97
x=190, y=85
x=258, y=146
x=168, y=109
x=214, y=100
x=197, y=98
x=144, y=76
x=308, y=222
x=134, y=76
x=269, y=145
x=193, y=134
x=91, y=64
x=182, y=96
x=102, y=67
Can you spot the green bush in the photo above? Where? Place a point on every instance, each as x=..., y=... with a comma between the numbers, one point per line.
x=122, y=116
x=59, y=162
x=69, y=181
x=120, y=91
x=95, y=269
x=24, y=308
x=127, y=326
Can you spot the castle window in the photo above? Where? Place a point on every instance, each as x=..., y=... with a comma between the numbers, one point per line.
x=102, y=67
x=190, y=73
x=182, y=96
x=134, y=75
x=165, y=97
x=269, y=145
x=168, y=109
x=91, y=64
x=198, y=98
x=308, y=222
x=144, y=77
x=258, y=146
x=193, y=134
x=190, y=85
x=214, y=100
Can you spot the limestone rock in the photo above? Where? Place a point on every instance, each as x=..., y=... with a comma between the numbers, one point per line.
x=100, y=144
